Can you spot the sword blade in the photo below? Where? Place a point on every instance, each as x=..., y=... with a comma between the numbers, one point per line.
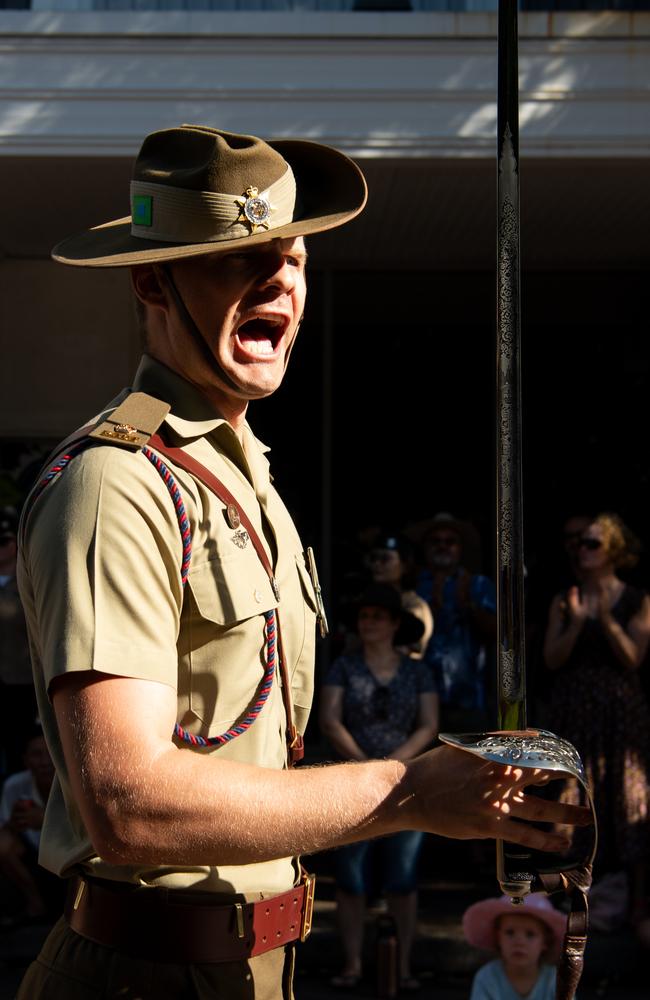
x=513, y=863
x=511, y=653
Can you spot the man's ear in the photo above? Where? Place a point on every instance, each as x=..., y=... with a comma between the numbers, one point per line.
x=148, y=287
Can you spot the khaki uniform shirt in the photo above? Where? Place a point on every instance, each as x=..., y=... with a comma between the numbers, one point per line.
x=99, y=574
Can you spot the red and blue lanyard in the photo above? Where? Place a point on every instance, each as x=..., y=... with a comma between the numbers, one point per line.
x=272, y=636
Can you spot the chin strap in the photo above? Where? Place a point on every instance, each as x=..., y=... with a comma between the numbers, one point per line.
x=190, y=325
x=287, y=353
x=188, y=322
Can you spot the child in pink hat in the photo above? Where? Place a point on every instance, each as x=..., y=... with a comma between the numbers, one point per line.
x=527, y=939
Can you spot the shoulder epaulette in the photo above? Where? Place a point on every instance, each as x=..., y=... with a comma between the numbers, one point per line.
x=133, y=422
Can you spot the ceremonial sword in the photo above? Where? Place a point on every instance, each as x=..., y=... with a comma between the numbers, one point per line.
x=512, y=871
x=521, y=871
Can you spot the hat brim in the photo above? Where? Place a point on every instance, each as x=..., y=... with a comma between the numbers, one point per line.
x=479, y=922
x=331, y=191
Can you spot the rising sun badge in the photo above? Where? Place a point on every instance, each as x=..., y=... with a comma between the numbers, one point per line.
x=255, y=209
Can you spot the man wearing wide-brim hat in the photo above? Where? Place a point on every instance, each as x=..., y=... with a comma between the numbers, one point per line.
x=172, y=609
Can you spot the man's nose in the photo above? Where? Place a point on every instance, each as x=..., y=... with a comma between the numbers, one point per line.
x=279, y=273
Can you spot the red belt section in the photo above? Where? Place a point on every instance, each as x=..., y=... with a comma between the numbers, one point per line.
x=163, y=925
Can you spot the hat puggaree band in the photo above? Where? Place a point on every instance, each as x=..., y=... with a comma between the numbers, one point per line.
x=162, y=212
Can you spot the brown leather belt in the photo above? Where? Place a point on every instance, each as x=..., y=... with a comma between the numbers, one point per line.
x=171, y=926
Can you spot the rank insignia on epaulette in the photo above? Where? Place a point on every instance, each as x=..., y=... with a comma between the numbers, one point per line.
x=124, y=432
x=133, y=422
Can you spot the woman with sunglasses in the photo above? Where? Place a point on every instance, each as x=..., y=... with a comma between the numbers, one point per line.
x=379, y=703
x=597, y=638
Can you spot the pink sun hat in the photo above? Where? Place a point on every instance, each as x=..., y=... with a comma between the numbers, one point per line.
x=479, y=920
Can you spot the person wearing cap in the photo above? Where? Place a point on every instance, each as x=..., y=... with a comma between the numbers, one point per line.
x=392, y=561
x=379, y=703
x=16, y=685
x=171, y=611
x=527, y=940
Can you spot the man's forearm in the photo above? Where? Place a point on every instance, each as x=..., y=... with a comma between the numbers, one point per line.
x=203, y=811
x=151, y=802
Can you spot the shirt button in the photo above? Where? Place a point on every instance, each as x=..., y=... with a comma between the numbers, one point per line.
x=258, y=596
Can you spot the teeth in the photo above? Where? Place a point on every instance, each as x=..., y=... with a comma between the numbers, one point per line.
x=259, y=346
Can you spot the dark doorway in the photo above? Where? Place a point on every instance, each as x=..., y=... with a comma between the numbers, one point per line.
x=412, y=402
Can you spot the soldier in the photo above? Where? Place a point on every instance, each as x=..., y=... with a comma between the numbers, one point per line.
x=174, y=685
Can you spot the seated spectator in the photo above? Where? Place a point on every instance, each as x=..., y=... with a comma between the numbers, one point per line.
x=22, y=808
x=392, y=561
x=379, y=703
x=526, y=939
x=464, y=609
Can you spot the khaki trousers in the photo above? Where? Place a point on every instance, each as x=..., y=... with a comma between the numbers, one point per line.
x=70, y=967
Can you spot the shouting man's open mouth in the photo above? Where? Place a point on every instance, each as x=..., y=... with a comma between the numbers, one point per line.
x=261, y=335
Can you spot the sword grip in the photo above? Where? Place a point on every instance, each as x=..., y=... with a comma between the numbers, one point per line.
x=513, y=870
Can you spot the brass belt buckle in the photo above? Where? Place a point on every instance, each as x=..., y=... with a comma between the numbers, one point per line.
x=309, y=882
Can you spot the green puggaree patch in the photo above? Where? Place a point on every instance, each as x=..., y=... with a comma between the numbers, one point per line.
x=142, y=210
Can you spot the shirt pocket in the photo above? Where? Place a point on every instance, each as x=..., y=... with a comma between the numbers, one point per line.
x=227, y=644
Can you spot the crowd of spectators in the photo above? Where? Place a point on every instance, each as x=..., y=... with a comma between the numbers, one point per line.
x=589, y=646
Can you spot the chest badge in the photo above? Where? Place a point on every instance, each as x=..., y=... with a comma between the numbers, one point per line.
x=240, y=538
x=232, y=516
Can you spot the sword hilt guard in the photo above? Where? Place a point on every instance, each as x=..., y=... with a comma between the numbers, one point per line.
x=521, y=870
